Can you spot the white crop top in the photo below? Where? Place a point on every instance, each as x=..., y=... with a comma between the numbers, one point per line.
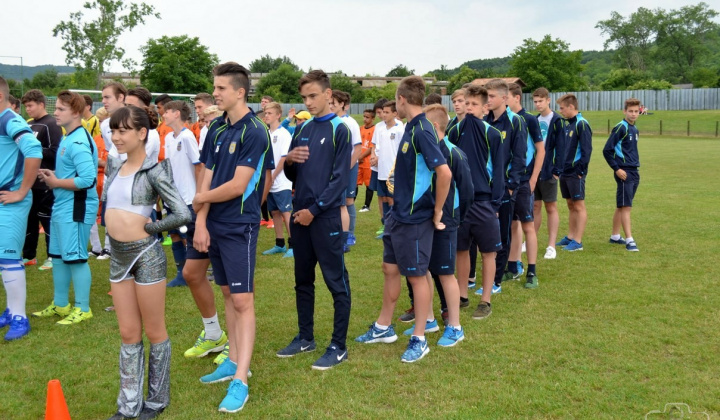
x=119, y=196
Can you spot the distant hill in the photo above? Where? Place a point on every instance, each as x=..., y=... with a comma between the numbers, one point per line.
x=12, y=71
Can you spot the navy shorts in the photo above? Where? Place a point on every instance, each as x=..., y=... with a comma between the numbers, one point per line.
x=408, y=246
x=572, y=187
x=280, y=201
x=351, y=189
x=382, y=189
x=232, y=254
x=524, y=201
x=546, y=190
x=192, y=253
x=444, y=250
x=373, y=181
x=626, y=189
x=481, y=225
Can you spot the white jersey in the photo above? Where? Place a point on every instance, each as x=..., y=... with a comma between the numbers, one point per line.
x=387, y=141
x=152, y=147
x=106, y=133
x=203, y=134
x=183, y=153
x=280, y=145
x=354, y=127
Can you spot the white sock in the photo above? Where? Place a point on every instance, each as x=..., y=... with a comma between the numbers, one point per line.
x=421, y=338
x=615, y=237
x=107, y=242
x=381, y=327
x=431, y=320
x=212, y=328
x=630, y=239
x=13, y=276
x=95, y=239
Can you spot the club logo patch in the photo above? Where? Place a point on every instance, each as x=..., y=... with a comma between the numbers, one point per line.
x=504, y=134
x=232, y=147
x=392, y=136
x=62, y=153
x=571, y=133
x=179, y=146
x=274, y=139
x=405, y=147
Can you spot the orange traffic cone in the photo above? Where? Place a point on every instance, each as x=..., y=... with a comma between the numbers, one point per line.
x=56, y=408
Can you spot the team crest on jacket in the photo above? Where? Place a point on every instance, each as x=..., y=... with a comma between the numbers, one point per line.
x=232, y=147
x=392, y=136
x=405, y=147
x=571, y=133
x=62, y=152
x=274, y=139
x=503, y=135
x=179, y=146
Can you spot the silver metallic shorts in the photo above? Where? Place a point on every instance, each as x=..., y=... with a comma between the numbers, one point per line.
x=142, y=260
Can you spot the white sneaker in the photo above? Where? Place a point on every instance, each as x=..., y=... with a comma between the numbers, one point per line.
x=550, y=253
x=524, y=249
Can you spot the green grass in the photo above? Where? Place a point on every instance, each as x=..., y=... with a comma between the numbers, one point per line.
x=609, y=334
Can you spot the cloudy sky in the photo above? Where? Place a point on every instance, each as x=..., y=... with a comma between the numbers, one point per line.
x=358, y=37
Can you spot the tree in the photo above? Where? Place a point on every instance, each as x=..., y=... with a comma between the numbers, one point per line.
x=266, y=64
x=339, y=81
x=704, y=77
x=400, y=71
x=387, y=92
x=177, y=64
x=548, y=63
x=93, y=45
x=633, y=38
x=281, y=84
x=465, y=75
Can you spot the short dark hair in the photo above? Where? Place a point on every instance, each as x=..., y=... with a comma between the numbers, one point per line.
x=14, y=101
x=568, y=99
x=239, y=75
x=315, y=76
x=205, y=97
x=117, y=88
x=497, y=84
x=134, y=118
x=541, y=92
x=477, y=91
x=379, y=103
x=631, y=102
x=412, y=88
x=433, y=98
x=515, y=89
x=88, y=100
x=34, y=95
x=163, y=99
x=73, y=100
x=141, y=93
x=341, y=97
x=391, y=105
x=269, y=98
x=181, y=106
x=369, y=111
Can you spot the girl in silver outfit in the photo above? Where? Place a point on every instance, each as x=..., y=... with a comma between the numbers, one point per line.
x=137, y=263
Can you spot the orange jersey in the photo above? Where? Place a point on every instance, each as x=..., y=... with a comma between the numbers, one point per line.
x=195, y=128
x=163, y=131
x=366, y=134
x=102, y=155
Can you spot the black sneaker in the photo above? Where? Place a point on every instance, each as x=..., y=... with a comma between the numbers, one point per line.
x=333, y=356
x=104, y=255
x=408, y=316
x=296, y=346
x=364, y=209
x=95, y=254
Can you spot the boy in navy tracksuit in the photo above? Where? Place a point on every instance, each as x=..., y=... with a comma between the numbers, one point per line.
x=415, y=214
x=318, y=164
x=551, y=127
x=514, y=135
x=578, y=149
x=621, y=153
x=483, y=146
x=523, y=214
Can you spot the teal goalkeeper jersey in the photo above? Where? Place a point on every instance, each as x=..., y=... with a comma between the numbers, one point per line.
x=77, y=159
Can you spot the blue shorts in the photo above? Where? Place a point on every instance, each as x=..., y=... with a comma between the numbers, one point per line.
x=68, y=241
x=192, y=253
x=351, y=189
x=408, y=246
x=232, y=254
x=382, y=189
x=13, y=225
x=373, y=181
x=572, y=187
x=481, y=225
x=626, y=189
x=524, y=201
x=546, y=190
x=444, y=250
x=280, y=201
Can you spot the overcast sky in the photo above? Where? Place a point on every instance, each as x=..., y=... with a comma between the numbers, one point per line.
x=358, y=37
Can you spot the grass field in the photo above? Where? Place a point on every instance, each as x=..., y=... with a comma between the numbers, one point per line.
x=609, y=334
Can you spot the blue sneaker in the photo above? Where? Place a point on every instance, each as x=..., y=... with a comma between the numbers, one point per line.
x=520, y=268
x=289, y=254
x=296, y=346
x=416, y=350
x=495, y=290
x=275, y=250
x=573, y=246
x=471, y=283
x=451, y=336
x=565, y=241
x=224, y=372
x=5, y=318
x=374, y=335
x=333, y=356
x=19, y=327
x=346, y=248
x=620, y=241
x=236, y=397
x=430, y=326
x=178, y=281
x=632, y=246
x=351, y=240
